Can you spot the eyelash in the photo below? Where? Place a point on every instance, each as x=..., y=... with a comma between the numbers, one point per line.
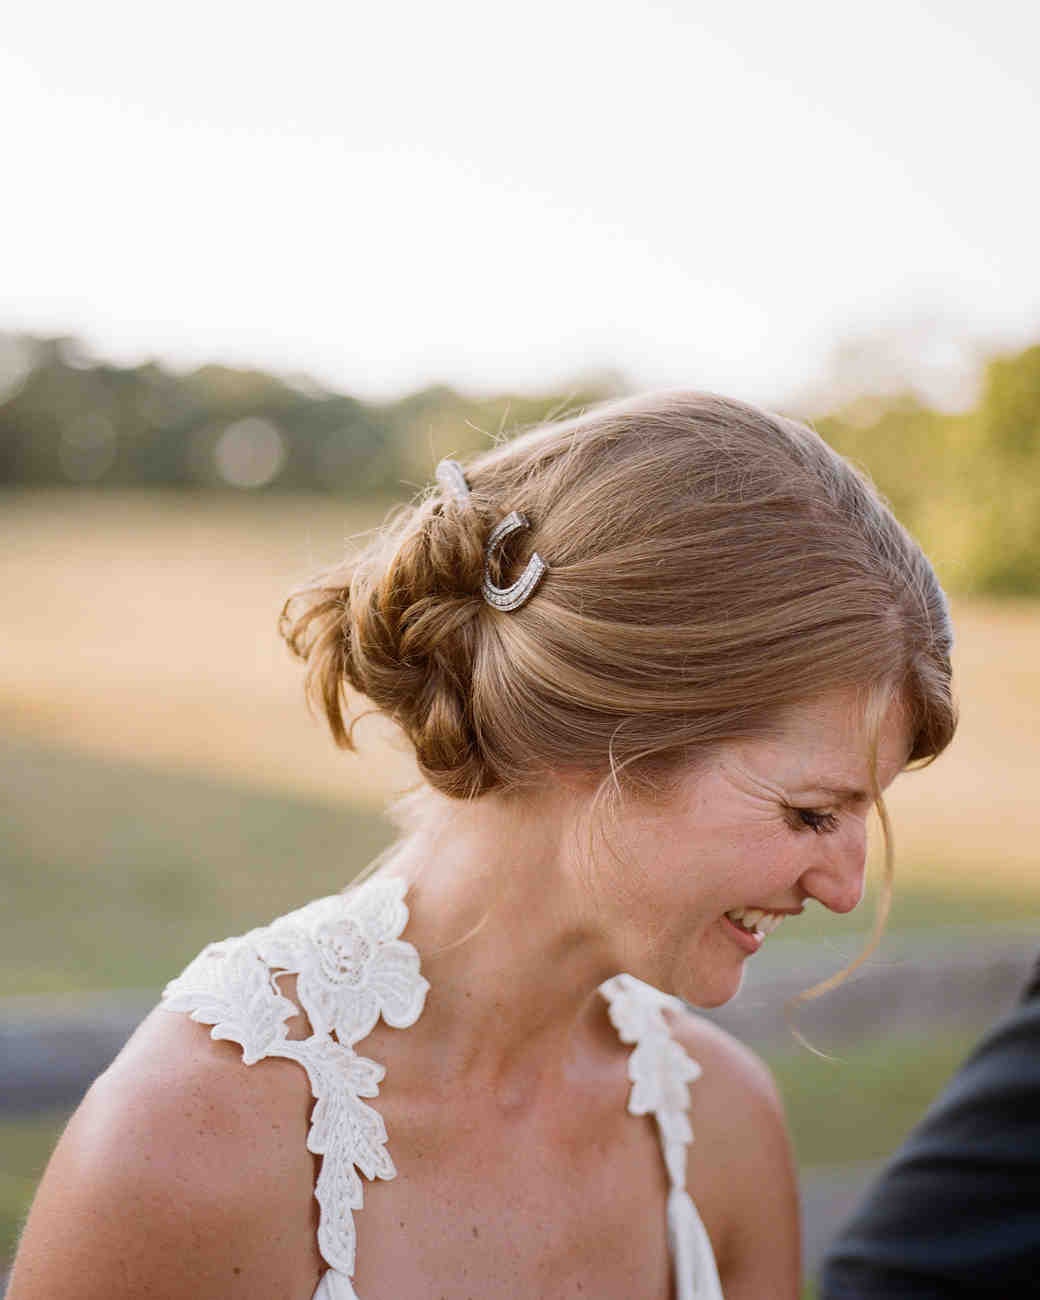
x=822, y=823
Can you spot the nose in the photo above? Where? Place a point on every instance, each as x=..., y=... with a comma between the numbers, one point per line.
x=837, y=878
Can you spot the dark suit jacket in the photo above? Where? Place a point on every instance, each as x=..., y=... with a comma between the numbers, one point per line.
x=957, y=1211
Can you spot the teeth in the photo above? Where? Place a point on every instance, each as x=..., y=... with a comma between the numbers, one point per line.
x=755, y=920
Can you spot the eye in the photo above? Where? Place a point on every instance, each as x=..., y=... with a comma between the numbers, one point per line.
x=820, y=822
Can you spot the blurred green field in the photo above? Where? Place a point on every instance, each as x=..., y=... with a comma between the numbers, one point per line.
x=162, y=786
x=859, y=1105
x=119, y=872
x=163, y=782
x=26, y=1143
x=140, y=626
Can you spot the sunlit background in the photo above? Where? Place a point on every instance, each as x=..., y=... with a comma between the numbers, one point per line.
x=386, y=197
x=262, y=267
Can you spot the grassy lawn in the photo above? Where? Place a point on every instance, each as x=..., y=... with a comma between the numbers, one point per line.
x=859, y=1106
x=26, y=1143
x=140, y=626
x=119, y=873
x=162, y=786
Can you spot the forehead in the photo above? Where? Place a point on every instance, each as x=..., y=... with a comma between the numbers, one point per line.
x=828, y=739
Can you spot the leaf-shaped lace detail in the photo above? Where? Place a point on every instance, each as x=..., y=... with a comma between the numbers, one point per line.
x=658, y=1066
x=347, y=1134
x=229, y=987
x=351, y=967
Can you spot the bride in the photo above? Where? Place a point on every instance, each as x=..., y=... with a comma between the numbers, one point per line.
x=657, y=663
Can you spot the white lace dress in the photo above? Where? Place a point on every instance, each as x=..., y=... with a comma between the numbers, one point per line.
x=352, y=966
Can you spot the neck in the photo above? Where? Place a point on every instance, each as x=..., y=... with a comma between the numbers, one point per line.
x=508, y=934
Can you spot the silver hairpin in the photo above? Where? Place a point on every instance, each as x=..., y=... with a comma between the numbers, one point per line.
x=452, y=481
x=515, y=595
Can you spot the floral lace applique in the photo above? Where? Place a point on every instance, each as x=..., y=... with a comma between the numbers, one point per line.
x=351, y=967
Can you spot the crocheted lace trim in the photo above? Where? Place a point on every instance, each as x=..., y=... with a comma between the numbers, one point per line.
x=352, y=967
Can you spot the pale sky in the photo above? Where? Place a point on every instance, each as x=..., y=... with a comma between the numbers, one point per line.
x=387, y=195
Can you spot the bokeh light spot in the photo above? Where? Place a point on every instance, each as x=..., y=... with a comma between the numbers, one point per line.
x=250, y=453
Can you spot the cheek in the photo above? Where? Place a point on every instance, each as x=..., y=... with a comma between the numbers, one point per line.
x=781, y=855
x=770, y=840
x=757, y=858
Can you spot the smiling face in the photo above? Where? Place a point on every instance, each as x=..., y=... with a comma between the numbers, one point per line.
x=746, y=837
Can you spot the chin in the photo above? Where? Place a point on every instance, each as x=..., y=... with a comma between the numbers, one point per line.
x=714, y=992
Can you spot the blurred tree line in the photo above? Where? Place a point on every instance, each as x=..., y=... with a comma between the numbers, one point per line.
x=967, y=484
x=67, y=418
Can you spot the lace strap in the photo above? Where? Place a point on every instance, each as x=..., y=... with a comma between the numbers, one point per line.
x=661, y=1071
x=659, y=1068
x=351, y=967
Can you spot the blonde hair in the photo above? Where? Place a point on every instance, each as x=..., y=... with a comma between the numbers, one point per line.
x=709, y=565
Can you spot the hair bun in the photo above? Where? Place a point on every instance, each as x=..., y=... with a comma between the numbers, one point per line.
x=400, y=625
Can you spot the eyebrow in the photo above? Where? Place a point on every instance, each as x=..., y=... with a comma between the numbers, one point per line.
x=842, y=792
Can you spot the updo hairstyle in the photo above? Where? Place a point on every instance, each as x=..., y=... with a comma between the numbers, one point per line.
x=709, y=564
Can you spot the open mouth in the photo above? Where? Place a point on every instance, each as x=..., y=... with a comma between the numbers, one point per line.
x=754, y=920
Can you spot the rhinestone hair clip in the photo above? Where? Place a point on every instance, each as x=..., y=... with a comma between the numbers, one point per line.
x=452, y=481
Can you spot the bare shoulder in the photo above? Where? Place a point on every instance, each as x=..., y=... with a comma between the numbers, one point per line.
x=183, y=1173
x=733, y=1075
x=741, y=1165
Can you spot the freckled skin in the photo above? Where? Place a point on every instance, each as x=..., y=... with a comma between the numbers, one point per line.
x=728, y=837
x=186, y=1174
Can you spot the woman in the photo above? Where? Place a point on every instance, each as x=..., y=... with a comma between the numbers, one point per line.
x=652, y=712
